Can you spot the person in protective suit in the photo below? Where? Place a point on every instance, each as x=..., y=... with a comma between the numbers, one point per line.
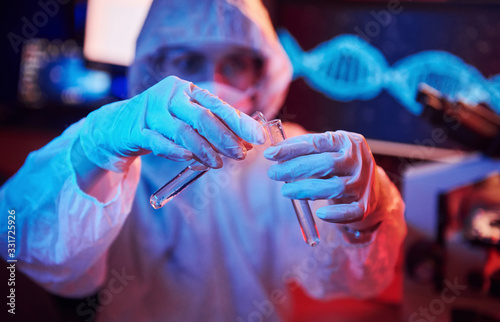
x=226, y=247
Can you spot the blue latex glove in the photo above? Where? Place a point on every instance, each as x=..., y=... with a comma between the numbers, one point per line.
x=333, y=165
x=173, y=119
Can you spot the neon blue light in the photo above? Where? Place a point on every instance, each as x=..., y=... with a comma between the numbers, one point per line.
x=440, y=70
x=347, y=67
x=344, y=68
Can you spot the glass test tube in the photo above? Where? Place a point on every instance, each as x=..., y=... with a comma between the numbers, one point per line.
x=302, y=209
x=187, y=176
x=177, y=184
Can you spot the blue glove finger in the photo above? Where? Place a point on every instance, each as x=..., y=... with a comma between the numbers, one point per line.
x=307, y=144
x=158, y=119
x=313, y=189
x=323, y=165
x=163, y=147
x=342, y=213
x=208, y=126
x=240, y=123
x=186, y=136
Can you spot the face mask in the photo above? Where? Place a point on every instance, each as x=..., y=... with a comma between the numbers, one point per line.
x=241, y=100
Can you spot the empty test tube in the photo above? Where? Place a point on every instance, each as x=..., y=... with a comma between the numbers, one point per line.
x=302, y=209
x=177, y=184
x=187, y=176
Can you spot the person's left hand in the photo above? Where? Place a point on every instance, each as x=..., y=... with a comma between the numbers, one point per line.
x=337, y=166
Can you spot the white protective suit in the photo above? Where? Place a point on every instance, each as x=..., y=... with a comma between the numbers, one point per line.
x=222, y=250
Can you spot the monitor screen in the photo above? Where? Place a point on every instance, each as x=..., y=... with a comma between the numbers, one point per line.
x=111, y=30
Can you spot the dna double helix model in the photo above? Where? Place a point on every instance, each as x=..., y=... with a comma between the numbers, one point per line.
x=348, y=68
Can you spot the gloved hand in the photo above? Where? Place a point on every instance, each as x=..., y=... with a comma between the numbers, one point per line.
x=173, y=119
x=332, y=165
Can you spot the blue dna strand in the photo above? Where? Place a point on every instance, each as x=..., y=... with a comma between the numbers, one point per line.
x=443, y=71
x=346, y=68
x=495, y=81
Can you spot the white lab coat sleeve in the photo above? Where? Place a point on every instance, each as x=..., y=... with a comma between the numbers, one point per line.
x=62, y=234
x=337, y=268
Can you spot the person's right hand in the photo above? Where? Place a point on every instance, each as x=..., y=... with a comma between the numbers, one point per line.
x=173, y=119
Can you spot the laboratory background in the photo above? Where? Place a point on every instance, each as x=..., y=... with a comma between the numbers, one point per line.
x=419, y=79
